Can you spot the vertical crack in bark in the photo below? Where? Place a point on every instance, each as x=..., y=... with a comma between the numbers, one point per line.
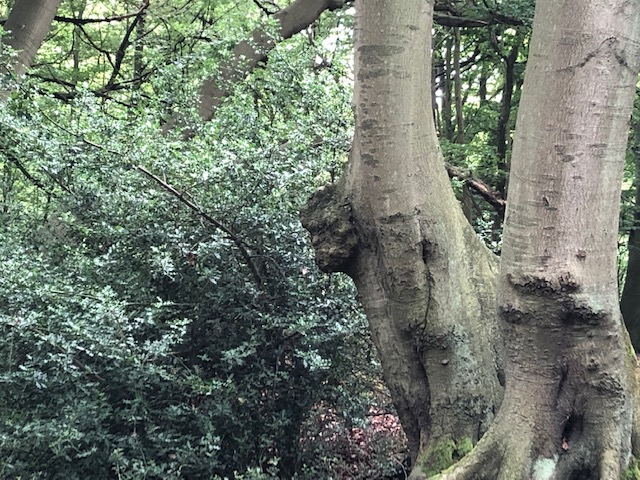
x=563, y=371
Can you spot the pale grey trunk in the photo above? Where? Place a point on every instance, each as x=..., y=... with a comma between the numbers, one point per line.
x=569, y=405
x=28, y=25
x=393, y=224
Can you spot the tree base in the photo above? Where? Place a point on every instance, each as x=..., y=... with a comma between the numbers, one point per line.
x=533, y=442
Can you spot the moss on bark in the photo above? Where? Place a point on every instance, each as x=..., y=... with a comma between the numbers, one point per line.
x=442, y=455
x=633, y=472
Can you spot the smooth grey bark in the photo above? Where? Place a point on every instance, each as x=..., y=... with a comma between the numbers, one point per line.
x=630, y=300
x=28, y=25
x=392, y=223
x=570, y=403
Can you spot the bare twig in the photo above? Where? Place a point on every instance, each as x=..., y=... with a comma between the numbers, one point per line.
x=85, y=21
x=264, y=8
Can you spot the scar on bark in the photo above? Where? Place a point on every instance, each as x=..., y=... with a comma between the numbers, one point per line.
x=327, y=216
x=559, y=291
x=575, y=313
x=541, y=286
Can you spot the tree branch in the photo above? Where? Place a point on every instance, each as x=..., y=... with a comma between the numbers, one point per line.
x=448, y=15
x=37, y=183
x=240, y=244
x=86, y=21
x=492, y=198
x=125, y=43
x=246, y=55
x=265, y=9
x=493, y=19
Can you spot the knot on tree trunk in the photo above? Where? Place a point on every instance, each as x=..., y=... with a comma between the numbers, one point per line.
x=327, y=217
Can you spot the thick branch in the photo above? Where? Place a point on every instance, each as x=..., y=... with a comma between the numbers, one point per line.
x=248, y=54
x=86, y=21
x=448, y=15
x=478, y=186
x=457, y=21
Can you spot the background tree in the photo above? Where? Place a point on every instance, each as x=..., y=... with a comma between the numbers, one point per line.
x=27, y=26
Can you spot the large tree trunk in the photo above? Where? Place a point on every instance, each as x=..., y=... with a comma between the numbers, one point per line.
x=28, y=24
x=569, y=405
x=393, y=224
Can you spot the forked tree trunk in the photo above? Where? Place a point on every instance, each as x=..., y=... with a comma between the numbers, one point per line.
x=28, y=24
x=569, y=405
x=393, y=224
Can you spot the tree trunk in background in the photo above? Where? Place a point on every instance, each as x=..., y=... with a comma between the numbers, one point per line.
x=630, y=302
x=482, y=85
x=447, y=114
x=569, y=405
x=458, y=87
x=435, y=75
x=503, y=132
x=467, y=194
x=468, y=206
x=392, y=223
x=28, y=24
x=138, y=52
